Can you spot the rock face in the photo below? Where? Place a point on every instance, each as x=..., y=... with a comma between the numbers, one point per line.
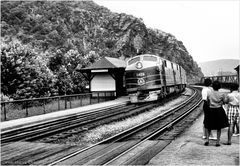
x=89, y=31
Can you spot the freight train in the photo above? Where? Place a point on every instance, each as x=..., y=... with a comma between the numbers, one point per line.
x=150, y=77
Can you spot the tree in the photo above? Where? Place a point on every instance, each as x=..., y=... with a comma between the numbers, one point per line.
x=24, y=72
x=79, y=32
x=138, y=43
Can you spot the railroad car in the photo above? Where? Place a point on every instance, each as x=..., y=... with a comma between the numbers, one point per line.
x=150, y=77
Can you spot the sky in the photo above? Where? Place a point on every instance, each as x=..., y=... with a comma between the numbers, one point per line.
x=208, y=29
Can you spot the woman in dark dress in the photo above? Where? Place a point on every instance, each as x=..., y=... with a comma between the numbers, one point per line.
x=216, y=117
x=207, y=89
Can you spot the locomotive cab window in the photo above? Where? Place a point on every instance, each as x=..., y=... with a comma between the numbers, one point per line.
x=134, y=60
x=150, y=58
x=165, y=63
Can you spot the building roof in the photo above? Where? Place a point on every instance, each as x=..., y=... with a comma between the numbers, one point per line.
x=117, y=62
x=106, y=63
x=237, y=68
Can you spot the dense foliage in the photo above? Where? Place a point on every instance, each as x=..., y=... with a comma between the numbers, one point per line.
x=43, y=43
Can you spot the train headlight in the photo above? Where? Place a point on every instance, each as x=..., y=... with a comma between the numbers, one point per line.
x=141, y=81
x=139, y=65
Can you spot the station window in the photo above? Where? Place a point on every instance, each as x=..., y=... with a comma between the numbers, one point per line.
x=165, y=63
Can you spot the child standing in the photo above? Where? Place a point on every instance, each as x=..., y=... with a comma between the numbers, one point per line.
x=233, y=100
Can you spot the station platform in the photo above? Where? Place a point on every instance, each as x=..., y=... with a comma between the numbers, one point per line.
x=40, y=118
x=189, y=149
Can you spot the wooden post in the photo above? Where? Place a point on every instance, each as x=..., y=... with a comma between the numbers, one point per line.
x=26, y=109
x=4, y=111
x=98, y=97
x=44, y=109
x=65, y=102
x=90, y=98
x=58, y=103
x=81, y=101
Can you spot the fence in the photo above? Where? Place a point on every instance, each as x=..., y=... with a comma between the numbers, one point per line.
x=29, y=107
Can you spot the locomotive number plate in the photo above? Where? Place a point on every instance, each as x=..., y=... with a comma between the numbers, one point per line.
x=140, y=74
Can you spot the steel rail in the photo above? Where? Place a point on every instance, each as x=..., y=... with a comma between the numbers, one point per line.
x=34, y=132
x=130, y=131
x=52, y=120
x=151, y=121
x=157, y=131
x=75, y=120
x=79, y=122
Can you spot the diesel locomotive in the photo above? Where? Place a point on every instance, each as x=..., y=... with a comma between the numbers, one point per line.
x=150, y=77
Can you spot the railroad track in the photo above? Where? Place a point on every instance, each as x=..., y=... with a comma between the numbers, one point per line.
x=41, y=129
x=62, y=127
x=113, y=151
x=67, y=123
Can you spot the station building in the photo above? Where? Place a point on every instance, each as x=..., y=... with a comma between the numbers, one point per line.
x=107, y=76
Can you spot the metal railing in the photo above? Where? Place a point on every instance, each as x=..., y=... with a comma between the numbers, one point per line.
x=222, y=79
x=29, y=107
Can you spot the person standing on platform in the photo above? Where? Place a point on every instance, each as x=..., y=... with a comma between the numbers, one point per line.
x=233, y=100
x=207, y=89
x=217, y=118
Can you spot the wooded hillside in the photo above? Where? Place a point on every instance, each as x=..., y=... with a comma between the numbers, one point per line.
x=43, y=42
